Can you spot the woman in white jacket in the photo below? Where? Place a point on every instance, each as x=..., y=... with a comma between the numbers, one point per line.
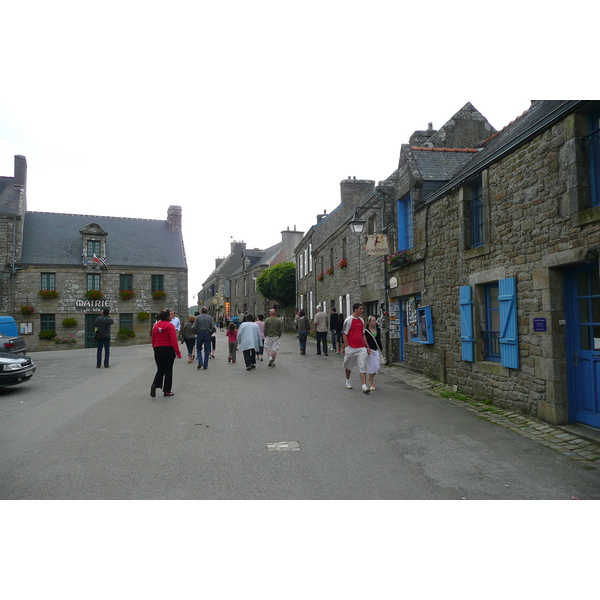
x=249, y=341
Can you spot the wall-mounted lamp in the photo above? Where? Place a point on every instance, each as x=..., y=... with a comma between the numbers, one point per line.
x=357, y=225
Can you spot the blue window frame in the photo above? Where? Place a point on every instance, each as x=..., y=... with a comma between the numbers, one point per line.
x=591, y=144
x=405, y=223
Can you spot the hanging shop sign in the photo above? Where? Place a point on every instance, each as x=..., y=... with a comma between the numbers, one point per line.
x=377, y=245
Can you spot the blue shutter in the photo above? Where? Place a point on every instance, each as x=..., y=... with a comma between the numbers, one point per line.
x=466, y=324
x=509, y=348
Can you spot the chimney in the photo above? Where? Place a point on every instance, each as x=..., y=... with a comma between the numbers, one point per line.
x=20, y=170
x=174, y=218
x=354, y=190
x=291, y=239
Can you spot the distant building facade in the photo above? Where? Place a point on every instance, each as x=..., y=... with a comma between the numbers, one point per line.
x=67, y=268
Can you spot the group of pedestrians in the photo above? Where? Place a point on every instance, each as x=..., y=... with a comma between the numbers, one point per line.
x=359, y=343
x=252, y=336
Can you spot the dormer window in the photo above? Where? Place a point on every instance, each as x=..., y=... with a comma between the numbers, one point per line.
x=93, y=239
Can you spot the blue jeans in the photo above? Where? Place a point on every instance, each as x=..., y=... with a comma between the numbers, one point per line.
x=302, y=335
x=106, y=345
x=203, y=342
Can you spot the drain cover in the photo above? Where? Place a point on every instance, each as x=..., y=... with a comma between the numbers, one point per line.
x=283, y=446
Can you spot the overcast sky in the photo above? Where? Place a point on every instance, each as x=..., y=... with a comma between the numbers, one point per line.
x=249, y=114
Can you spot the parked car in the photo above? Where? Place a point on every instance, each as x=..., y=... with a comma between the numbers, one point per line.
x=10, y=340
x=15, y=369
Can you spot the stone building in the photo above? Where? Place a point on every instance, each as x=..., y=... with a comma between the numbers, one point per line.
x=322, y=277
x=61, y=270
x=501, y=293
x=244, y=295
x=215, y=293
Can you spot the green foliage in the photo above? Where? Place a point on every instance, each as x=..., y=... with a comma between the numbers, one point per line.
x=69, y=322
x=47, y=334
x=278, y=283
x=125, y=333
x=143, y=315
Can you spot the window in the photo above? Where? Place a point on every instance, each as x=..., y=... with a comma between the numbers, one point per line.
x=93, y=247
x=344, y=249
x=405, y=223
x=491, y=331
x=93, y=281
x=591, y=145
x=48, y=281
x=474, y=212
x=47, y=322
x=331, y=258
x=126, y=321
x=497, y=314
x=158, y=283
x=126, y=282
x=310, y=267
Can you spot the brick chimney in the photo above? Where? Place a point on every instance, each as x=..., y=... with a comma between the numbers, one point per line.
x=20, y=171
x=354, y=190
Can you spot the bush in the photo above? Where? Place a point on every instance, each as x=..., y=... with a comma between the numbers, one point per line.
x=27, y=309
x=69, y=322
x=143, y=316
x=94, y=294
x=126, y=294
x=159, y=295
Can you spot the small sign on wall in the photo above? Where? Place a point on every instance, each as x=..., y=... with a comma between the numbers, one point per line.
x=25, y=328
x=539, y=324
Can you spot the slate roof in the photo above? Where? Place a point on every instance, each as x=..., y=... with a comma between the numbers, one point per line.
x=539, y=117
x=439, y=164
x=54, y=239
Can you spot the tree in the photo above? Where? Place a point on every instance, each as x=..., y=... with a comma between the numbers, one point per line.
x=278, y=283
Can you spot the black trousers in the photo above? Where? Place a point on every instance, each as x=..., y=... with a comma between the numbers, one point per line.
x=164, y=357
x=250, y=357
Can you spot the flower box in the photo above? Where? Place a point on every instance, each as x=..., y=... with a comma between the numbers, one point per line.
x=65, y=339
x=27, y=309
x=158, y=295
x=343, y=263
x=397, y=260
x=321, y=276
x=143, y=316
x=94, y=295
x=126, y=294
x=47, y=334
x=48, y=294
x=329, y=271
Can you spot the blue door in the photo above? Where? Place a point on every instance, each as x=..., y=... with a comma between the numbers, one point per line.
x=583, y=343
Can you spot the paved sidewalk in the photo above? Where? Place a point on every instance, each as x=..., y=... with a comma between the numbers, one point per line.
x=575, y=441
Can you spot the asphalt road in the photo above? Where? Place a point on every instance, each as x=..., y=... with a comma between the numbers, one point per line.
x=77, y=432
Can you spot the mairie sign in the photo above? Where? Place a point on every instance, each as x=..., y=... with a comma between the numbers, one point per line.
x=377, y=245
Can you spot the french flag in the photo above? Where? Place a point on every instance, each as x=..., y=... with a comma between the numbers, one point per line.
x=96, y=259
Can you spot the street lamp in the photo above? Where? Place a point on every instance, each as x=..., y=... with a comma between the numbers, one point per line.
x=357, y=225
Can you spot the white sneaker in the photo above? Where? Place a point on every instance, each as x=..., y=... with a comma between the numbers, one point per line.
x=365, y=389
x=348, y=384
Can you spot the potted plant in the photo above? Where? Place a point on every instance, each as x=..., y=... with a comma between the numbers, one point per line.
x=343, y=263
x=143, y=315
x=48, y=294
x=329, y=271
x=94, y=295
x=321, y=276
x=158, y=295
x=27, y=309
x=69, y=322
x=398, y=259
x=47, y=334
x=125, y=333
x=126, y=294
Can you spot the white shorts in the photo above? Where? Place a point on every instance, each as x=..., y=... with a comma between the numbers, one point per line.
x=373, y=362
x=272, y=343
x=355, y=356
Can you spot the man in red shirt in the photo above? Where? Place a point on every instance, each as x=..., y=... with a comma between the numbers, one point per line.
x=356, y=347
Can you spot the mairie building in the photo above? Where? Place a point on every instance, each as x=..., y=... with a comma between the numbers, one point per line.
x=59, y=271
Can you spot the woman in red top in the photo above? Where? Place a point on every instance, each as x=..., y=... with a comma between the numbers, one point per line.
x=164, y=342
